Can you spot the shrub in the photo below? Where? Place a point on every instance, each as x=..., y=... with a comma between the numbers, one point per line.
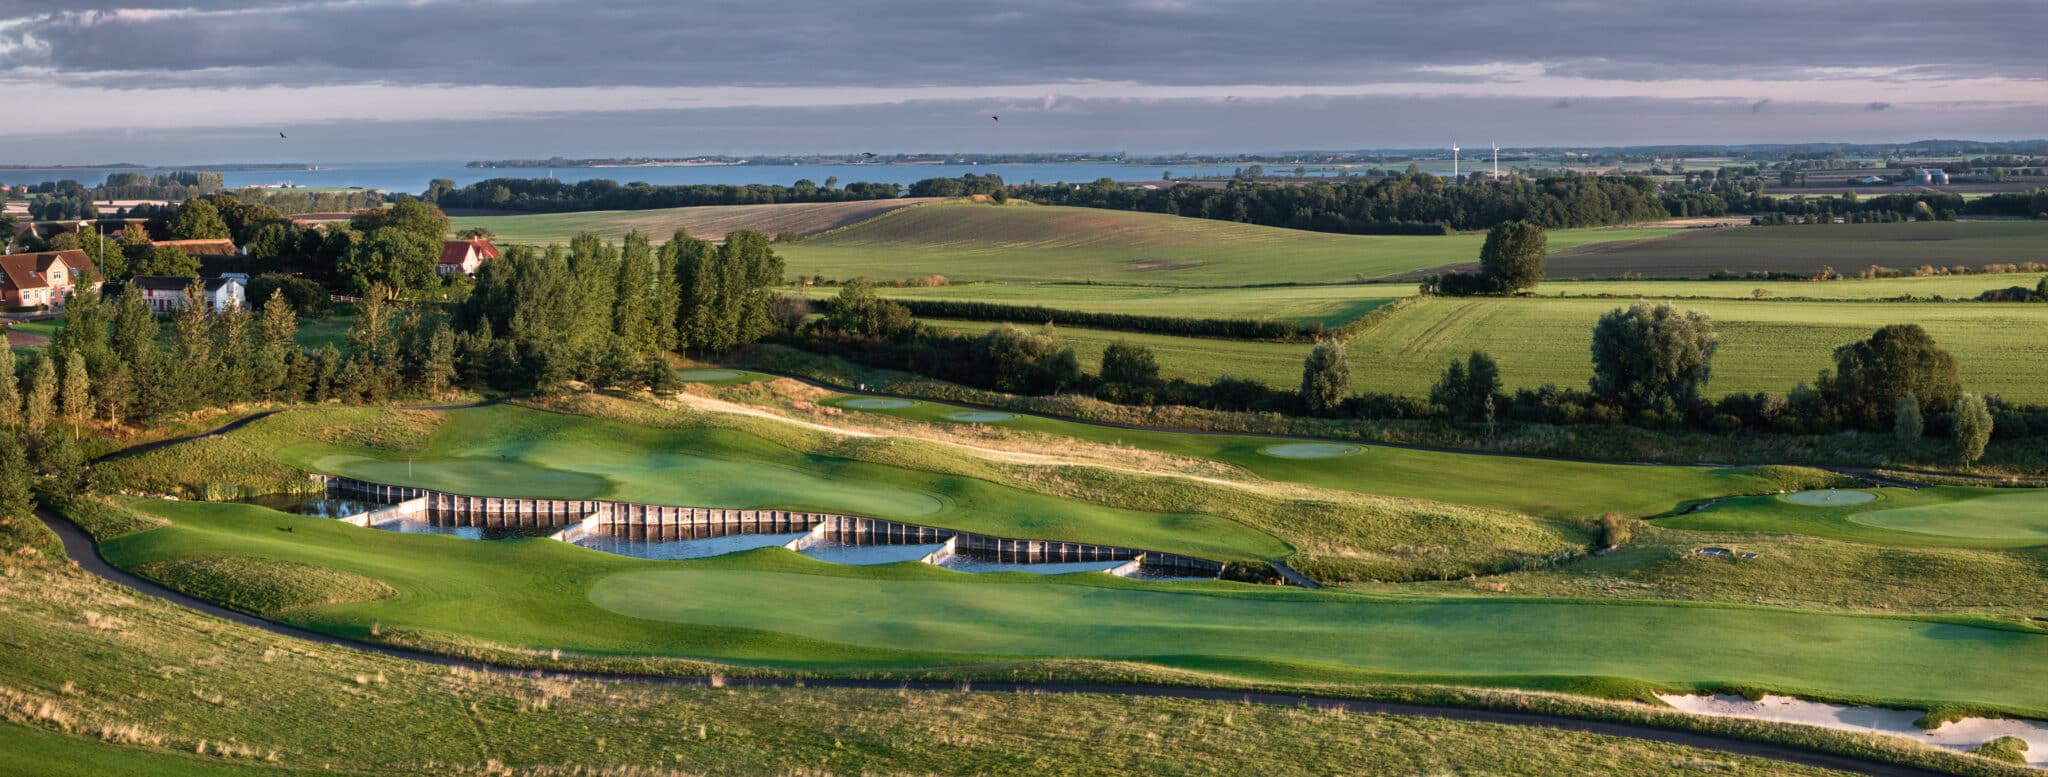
x=1973, y=428
x=1325, y=378
x=1908, y=425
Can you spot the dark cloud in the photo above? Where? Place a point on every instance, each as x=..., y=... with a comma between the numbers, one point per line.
x=1877, y=106
x=943, y=42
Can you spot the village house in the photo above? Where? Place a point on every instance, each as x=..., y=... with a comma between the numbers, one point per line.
x=464, y=256
x=45, y=279
x=166, y=294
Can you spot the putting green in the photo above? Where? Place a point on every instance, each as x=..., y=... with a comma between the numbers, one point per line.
x=1830, y=497
x=702, y=376
x=1311, y=450
x=2018, y=516
x=980, y=417
x=877, y=403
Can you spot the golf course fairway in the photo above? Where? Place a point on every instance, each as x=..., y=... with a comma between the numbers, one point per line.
x=1939, y=516
x=775, y=608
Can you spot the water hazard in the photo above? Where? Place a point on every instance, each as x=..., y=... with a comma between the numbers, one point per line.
x=704, y=541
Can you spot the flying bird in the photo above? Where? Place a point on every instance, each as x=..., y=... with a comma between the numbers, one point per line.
x=995, y=118
x=867, y=154
x=280, y=134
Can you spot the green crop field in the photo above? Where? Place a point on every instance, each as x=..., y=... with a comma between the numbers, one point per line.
x=1849, y=248
x=710, y=222
x=1330, y=305
x=1765, y=346
x=1021, y=242
x=775, y=608
x=1944, y=286
x=1930, y=517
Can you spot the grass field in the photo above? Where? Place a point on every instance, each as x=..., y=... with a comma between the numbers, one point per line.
x=1849, y=248
x=1765, y=346
x=1330, y=305
x=710, y=222
x=1027, y=243
x=1928, y=517
x=540, y=594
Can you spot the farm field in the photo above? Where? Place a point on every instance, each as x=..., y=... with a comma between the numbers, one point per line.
x=540, y=594
x=1765, y=346
x=1029, y=243
x=710, y=222
x=1849, y=248
x=1958, y=287
x=1330, y=305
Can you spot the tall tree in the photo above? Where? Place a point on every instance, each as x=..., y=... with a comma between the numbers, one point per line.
x=1512, y=258
x=437, y=373
x=1129, y=364
x=10, y=392
x=1907, y=423
x=697, y=281
x=41, y=407
x=1467, y=388
x=198, y=219
x=76, y=395
x=275, y=346
x=170, y=261
x=1652, y=356
x=1871, y=375
x=134, y=343
x=1973, y=427
x=192, y=368
x=17, y=479
x=1325, y=378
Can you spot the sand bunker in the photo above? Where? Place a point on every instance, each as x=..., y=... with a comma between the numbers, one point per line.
x=1966, y=734
x=1830, y=497
x=980, y=416
x=878, y=403
x=702, y=376
x=1310, y=450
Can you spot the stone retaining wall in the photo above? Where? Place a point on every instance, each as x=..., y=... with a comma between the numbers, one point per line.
x=578, y=517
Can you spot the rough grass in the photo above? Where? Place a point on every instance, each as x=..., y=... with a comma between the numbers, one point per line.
x=1955, y=287
x=1024, y=242
x=265, y=587
x=106, y=519
x=1849, y=248
x=709, y=222
x=2009, y=749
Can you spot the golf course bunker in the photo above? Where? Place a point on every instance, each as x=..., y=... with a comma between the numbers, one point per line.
x=705, y=376
x=980, y=416
x=1966, y=734
x=1311, y=450
x=1830, y=497
x=878, y=403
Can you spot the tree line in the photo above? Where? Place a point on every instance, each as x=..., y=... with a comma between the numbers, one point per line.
x=1411, y=203
x=1232, y=328
x=545, y=195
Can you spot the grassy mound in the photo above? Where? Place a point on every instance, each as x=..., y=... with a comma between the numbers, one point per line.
x=106, y=519
x=2009, y=749
x=261, y=586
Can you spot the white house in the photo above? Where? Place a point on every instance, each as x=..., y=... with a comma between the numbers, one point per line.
x=464, y=256
x=166, y=294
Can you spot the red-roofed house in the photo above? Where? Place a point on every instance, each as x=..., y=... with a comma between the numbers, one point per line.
x=464, y=256
x=46, y=278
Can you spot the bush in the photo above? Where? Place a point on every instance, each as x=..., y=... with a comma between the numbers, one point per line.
x=1972, y=428
x=1615, y=530
x=1325, y=378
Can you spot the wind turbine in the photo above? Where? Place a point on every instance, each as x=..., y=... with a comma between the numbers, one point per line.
x=1454, y=162
x=1496, y=161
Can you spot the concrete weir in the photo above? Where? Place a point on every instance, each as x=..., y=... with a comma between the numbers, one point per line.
x=579, y=518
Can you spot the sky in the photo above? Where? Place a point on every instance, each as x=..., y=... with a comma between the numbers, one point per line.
x=190, y=81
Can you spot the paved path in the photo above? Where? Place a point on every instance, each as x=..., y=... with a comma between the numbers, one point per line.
x=1288, y=574
x=80, y=547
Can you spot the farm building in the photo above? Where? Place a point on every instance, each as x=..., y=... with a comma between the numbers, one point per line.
x=46, y=278
x=166, y=294
x=464, y=256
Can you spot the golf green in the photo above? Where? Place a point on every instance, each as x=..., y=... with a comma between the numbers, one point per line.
x=1830, y=497
x=1310, y=450
x=2022, y=516
x=877, y=403
x=980, y=416
x=703, y=376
